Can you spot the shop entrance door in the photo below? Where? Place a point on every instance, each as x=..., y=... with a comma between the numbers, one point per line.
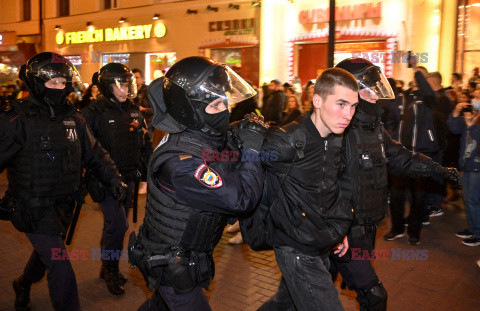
x=312, y=59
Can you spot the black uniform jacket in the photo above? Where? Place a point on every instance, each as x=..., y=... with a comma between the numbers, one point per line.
x=122, y=150
x=306, y=211
x=220, y=182
x=13, y=137
x=396, y=159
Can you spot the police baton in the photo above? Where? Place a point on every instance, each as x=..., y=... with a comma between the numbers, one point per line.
x=76, y=214
x=135, y=201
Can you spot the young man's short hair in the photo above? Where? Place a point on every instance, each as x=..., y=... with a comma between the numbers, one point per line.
x=135, y=70
x=326, y=82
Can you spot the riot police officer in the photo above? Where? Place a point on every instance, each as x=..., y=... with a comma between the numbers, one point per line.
x=119, y=126
x=369, y=152
x=43, y=144
x=190, y=194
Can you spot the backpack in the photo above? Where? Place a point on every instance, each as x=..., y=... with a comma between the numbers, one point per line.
x=255, y=228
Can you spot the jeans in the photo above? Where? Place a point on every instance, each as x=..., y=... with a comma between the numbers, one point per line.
x=115, y=220
x=471, y=197
x=62, y=284
x=306, y=283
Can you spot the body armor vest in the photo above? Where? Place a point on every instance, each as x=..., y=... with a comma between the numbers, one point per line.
x=366, y=175
x=177, y=224
x=121, y=134
x=49, y=164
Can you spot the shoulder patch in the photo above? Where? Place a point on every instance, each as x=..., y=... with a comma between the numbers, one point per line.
x=164, y=140
x=185, y=156
x=208, y=177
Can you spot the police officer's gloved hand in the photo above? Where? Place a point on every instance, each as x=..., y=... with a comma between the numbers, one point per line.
x=119, y=190
x=451, y=174
x=5, y=210
x=250, y=132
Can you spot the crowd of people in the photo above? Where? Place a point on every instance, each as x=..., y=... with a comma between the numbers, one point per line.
x=334, y=157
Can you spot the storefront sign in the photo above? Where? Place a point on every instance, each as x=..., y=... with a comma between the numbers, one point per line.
x=112, y=34
x=234, y=27
x=8, y=38
x=342, y=13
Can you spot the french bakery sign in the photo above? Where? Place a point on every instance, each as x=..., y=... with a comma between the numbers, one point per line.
x=125, y=33
x=342, y=13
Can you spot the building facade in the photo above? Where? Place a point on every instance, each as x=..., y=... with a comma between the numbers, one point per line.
x=261, y=40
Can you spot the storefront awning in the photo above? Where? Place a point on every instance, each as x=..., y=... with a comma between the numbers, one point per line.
x=25, y=52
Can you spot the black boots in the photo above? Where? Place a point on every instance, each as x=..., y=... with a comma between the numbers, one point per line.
x=103, y=273
x=113, y=278
x=21, y=286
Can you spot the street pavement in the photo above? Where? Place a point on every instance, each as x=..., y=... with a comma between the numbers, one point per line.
x=439, y=274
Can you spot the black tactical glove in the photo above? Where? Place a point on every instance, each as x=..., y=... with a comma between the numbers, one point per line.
x=250, y=132
x=118, y=189
x=451, y=174
x=5, y=210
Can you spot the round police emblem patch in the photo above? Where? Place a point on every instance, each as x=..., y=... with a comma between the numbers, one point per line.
x=208, y=177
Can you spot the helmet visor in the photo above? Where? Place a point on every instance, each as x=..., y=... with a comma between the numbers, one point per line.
x=373, y=83
x=66, y=71
x=125, y=87
x=221, y=82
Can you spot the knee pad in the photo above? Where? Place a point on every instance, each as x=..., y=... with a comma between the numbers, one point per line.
x=376, y=298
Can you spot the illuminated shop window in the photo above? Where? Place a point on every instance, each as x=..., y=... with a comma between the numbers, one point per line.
x=157, y=64
x=468, y=37
x=230, y=57
x=115, y=58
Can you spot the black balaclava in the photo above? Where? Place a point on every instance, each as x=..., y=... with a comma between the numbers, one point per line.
x=217, y=121
x=54, y=97
x=368, y=115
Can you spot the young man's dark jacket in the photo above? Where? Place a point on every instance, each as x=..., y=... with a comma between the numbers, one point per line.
x=121, y=129
x=423, y=127
x=364, y=182
x=43, y=151
x=307, y=212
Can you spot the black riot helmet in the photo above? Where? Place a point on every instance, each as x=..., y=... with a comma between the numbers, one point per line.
x=116, y=75
x=188, y=87
x=47, y=66
x=372, y=82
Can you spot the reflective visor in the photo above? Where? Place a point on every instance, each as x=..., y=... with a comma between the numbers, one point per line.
x=373, y=80
x=220, y=81
x=127, y=85
x=70, y=73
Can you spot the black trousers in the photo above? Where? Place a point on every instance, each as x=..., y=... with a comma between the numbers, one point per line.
x=401, y=189
x=47, y=257
x=359, y=274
